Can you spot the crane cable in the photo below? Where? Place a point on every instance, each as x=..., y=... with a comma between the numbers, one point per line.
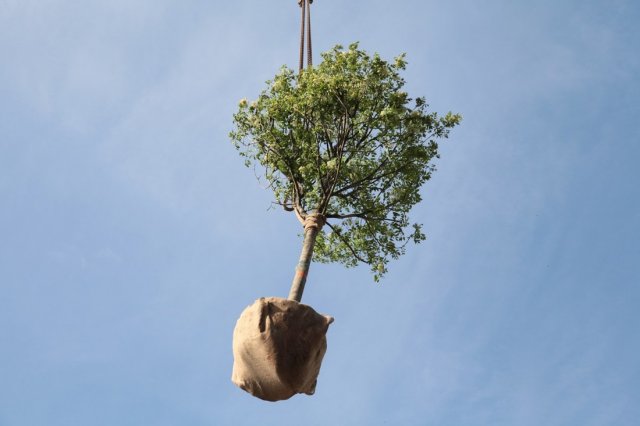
x=305, y=5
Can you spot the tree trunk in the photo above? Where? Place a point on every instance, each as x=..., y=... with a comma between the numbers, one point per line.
x=311, y=229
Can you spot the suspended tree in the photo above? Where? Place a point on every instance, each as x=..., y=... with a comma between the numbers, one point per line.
x=346, y=150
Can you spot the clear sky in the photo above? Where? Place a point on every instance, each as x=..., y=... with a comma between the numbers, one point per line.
x=132, y=236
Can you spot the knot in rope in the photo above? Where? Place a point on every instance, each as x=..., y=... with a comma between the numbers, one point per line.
x=314, y=220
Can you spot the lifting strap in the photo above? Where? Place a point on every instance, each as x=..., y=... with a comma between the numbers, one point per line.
x=305, y=6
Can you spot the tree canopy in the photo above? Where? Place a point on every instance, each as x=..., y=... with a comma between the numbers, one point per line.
x=344, y=141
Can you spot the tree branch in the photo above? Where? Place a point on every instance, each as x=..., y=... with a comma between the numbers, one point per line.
x=346, y=243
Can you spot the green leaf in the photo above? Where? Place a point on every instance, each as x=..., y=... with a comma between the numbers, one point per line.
x=344, y=139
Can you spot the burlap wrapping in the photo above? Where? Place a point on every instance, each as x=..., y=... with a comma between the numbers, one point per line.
x=278, y=346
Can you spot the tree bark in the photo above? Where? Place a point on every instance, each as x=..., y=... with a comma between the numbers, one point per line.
x=312, y=226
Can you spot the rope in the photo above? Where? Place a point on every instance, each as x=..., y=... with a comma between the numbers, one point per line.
x=315, y=220
x=309, y=52
x=305, y=6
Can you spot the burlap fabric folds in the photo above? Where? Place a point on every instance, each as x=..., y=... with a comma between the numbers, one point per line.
x=278, y=346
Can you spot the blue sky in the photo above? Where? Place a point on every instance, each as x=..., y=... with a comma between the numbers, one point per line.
x=132, y=236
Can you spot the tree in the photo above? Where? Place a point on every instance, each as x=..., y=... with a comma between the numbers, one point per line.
x=346, y=150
